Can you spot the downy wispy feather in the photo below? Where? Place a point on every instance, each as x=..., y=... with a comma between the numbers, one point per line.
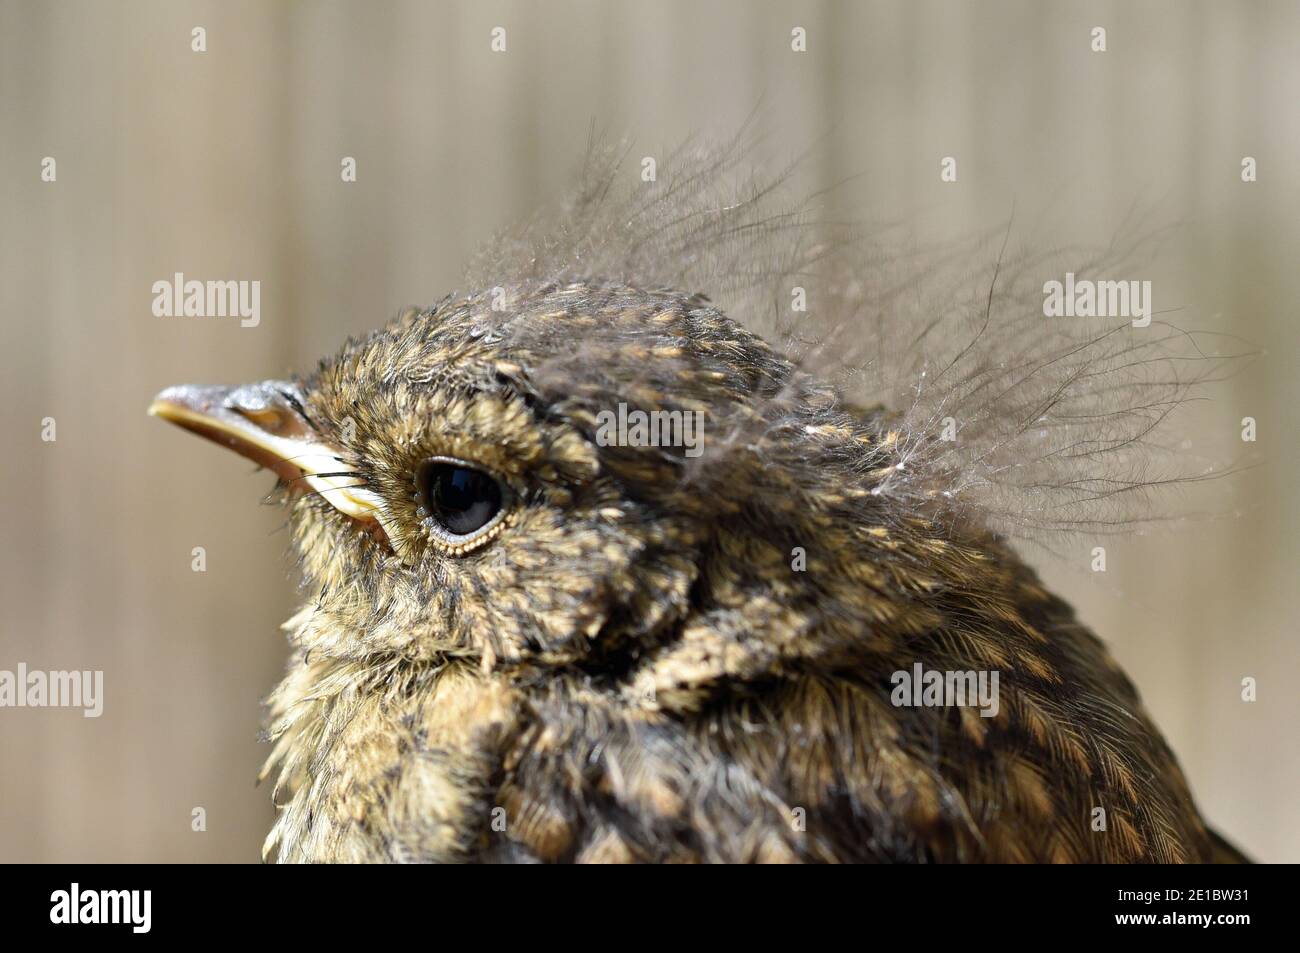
x=1059, y=424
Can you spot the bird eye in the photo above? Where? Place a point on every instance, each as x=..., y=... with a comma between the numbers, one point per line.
x=460, y=504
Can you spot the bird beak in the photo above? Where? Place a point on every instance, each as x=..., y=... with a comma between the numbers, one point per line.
x=267, y=424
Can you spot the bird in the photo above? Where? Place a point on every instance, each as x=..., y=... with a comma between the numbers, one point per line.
x=544, y=623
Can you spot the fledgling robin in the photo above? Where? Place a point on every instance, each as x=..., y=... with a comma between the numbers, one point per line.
x=537, y=632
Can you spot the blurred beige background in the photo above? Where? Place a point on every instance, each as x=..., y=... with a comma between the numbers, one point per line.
x=226, y=164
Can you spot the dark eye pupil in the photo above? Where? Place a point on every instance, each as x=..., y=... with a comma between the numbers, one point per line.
x=461, y=499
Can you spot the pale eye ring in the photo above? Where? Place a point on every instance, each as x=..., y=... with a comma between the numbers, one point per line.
x=461, y=506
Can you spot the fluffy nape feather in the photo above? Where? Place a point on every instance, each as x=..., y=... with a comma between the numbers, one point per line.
x=1031, y=425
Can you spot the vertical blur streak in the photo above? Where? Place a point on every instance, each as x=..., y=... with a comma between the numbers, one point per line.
x=226, y=165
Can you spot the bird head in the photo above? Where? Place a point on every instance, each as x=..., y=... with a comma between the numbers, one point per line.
x=560, y=474
x=558, y=470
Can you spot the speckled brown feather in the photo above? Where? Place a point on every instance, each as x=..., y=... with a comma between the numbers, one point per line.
x=632, y=670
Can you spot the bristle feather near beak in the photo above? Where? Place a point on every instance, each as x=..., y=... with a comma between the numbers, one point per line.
x=265, y=422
